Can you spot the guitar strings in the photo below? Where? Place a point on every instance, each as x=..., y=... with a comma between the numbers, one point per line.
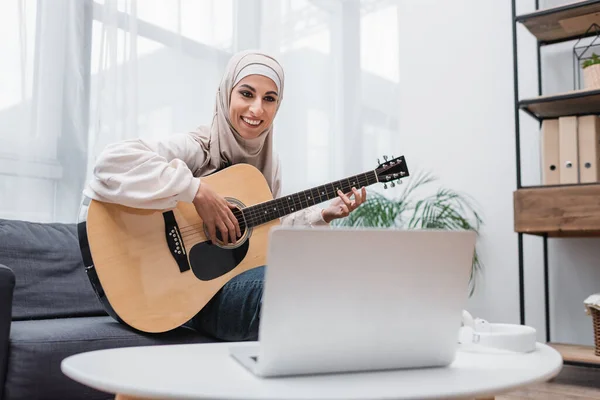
x=237, y=213
x=254, y=214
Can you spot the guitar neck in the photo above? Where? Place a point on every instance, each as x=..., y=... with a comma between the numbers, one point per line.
x=289, y=204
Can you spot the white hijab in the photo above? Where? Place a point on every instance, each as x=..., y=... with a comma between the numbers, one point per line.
x=221, y=143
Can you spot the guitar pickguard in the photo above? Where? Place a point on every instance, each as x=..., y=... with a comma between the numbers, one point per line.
x=210, y=261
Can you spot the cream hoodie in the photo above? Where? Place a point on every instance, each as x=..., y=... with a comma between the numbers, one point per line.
x=157, y=174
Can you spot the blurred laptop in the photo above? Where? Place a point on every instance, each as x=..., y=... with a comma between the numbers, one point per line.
x=343, y=300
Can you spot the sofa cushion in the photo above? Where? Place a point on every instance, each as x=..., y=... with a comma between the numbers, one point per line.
x=37, y=348
x=50, y=277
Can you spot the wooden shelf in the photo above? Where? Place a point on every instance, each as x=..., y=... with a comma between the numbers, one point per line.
x=577, y=354
x=558, y=211
x=576, y=102
x=562, y=23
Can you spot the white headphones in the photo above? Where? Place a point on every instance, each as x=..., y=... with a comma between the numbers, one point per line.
x=479, y=332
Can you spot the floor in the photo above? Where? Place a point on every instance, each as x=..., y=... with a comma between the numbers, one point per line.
x=573, y=383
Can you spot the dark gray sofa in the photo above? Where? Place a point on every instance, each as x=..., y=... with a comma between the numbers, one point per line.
x=48, y=311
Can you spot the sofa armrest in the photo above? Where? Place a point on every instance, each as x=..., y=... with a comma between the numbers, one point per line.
x=7, y=285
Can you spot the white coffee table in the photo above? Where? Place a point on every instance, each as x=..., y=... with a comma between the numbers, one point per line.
x=206, y=371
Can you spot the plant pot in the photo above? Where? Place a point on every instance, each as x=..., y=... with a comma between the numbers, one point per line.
x=591, y=77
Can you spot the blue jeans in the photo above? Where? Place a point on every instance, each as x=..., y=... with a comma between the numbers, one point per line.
x=233, y=314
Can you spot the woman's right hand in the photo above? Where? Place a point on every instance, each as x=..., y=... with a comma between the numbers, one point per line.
x=216, y=213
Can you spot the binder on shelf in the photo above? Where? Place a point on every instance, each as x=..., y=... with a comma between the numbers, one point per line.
x=589, y=148
x=567, y=150
x=549, y=152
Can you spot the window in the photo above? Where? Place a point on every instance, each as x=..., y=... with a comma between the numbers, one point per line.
x=379, y=42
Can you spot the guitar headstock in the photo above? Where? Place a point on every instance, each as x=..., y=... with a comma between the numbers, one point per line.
x=392, y=170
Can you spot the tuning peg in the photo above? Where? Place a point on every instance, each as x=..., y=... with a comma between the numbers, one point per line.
x=378, y=162
x=385, y=185
x=392, y=156
x=399, y=181
x=392, y=184
x=385, y=158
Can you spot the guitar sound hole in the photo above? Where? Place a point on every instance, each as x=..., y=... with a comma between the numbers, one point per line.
x=238, y=215
x=209, y=261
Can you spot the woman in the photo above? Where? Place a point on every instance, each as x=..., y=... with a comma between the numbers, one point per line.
x=156, y=175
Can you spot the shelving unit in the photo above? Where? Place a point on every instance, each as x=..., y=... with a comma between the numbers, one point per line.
x=556, y=211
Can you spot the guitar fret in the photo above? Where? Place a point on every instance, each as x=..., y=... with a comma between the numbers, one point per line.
x=300, y=205
x=294, y=202
x=307, y=198
x=315, y=194
x=322, y=192
x=358, y=186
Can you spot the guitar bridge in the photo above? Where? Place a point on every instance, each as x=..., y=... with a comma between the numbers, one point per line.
x=175, y=242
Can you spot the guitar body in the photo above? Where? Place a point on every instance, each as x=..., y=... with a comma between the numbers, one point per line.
x=145, y=277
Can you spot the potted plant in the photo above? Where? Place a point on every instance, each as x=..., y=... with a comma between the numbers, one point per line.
x=444, y=209
x=591, y=72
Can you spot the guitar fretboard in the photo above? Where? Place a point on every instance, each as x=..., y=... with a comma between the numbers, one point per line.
x=277, y=208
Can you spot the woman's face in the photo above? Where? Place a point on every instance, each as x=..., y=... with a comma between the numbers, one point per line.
x=253, y=104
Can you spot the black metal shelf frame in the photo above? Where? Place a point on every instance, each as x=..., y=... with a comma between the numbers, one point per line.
x=515, y=21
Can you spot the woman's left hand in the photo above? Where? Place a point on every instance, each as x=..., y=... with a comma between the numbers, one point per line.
x=343, y=205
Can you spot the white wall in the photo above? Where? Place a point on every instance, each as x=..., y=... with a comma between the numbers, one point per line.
x=456, y=118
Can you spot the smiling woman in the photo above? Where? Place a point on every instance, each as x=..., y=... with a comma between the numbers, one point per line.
x=253, y=105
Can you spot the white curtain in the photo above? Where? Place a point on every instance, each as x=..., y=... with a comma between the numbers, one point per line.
x=43, y=104
x=84, y=73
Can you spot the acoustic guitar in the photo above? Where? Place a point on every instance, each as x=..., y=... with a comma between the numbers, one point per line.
x=155, y=269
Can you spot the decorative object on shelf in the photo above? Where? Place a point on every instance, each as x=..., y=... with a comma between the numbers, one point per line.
x=592, y=307
x=586, y=60
x=591, y=72
x=444, y=209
